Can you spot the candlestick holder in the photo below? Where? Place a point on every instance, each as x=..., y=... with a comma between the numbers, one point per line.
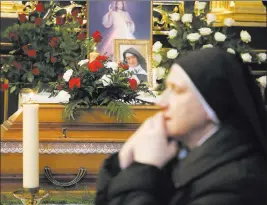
x=31, y=196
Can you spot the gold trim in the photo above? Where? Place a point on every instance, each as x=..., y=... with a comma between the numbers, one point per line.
x=147, y=43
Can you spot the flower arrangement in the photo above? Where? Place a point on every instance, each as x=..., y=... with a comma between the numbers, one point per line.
x=49, y=52
x=196, y=31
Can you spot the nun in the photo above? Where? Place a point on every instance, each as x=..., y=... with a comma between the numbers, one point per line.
x=207, y=145
x=136, y=62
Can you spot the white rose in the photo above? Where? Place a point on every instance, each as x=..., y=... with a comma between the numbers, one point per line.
x=229, y=22
x=82, y=62
x=187, y=18
x=201, y=5
x=193, y=37
x=67, y=75
x=207, y=46
x=157, y=58
x=205, y=31
x=106, y=80
x=136, y=78
x=63, y=95
x=175, y=16
x=172, y=33
x=262, y=57
x=211, y=18
x=160, y=72
x=112, y=65
x=246, y=57
x=262, y=80
x=219, y=37
x=230, y=50
x=157, y=46
x=245, y=36
x=172, y=54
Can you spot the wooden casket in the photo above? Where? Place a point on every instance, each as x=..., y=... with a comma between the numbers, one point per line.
x=65, y=146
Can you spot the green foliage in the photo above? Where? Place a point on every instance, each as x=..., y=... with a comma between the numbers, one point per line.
x=123, y=111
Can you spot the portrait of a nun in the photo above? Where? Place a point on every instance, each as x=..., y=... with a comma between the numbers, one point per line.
x=136, y=62
x=206, y=146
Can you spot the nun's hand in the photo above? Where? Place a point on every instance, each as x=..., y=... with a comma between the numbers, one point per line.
x=153, y=147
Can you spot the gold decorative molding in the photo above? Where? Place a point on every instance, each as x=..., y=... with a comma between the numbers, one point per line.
x=9, y=9
x=245, y=13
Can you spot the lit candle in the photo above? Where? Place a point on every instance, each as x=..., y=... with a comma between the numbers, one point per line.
x=30, y=146
x=93, y=55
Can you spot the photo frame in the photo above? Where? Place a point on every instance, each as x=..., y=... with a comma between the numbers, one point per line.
x=115, y=22
x=134, y=53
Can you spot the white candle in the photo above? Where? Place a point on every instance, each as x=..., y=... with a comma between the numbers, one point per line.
x=30, y=146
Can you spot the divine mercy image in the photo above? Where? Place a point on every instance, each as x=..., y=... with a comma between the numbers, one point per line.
x=119, y=20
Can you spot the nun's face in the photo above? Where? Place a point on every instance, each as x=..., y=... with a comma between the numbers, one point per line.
x=182, y=110
x=132, y=61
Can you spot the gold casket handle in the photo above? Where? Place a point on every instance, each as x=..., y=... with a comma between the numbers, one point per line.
x=49, y=176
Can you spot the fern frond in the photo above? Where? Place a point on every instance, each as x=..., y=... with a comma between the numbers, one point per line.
x=71, y=107
x=121, y=110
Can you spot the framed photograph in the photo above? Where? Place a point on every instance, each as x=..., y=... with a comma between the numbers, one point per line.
x=119, y=20
x=137, y=54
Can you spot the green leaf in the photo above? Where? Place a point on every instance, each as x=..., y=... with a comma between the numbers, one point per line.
x=30, y=76
x=121, y=110
x=12, y=89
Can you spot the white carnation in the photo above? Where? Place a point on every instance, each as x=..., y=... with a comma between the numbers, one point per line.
x=172, y=33
x=245, y=36
x=106, y=80
x=207, y=46
x=157, y=58
x=262, y=80
x=82, y=62
x=219, y=37
x=246, y=57
x=211, y=18
x=67, y=75
x=193, y=37
x=230, y=50
x=262, y=57
x=205, y=31
x=187, y=18
x=157, y=46
x=172, y=54
x=112, y=65
x=175, y=16
x=229, y=22
x=201, y=5
x=63, y=95
x=160, y=72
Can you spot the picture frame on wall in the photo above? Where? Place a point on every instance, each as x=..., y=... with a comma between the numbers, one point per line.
x=130, y=20
x=137, y=55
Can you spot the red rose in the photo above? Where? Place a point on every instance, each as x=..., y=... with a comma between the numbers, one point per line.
x=13, y=36
x=53, y=44
x=39, y=7
x=4, y=86
x=54, y=39
x=25, y=49
x=95, y=66
x=53, y=59
x=81, y=36
x=60, y=20
x=133, y=84
x=79, y=20
x=123, y=66
x=32, y=53
x=97, y=36
x=17, y=65
x=22, y=18
x=75, y=82
x=35, y=71
x=102, y=58
x=38, y=21
x=75, y=12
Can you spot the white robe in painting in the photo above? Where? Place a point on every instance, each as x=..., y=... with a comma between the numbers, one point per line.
x=120, y=26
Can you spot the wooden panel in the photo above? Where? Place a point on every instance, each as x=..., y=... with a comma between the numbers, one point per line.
x=64, y=164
